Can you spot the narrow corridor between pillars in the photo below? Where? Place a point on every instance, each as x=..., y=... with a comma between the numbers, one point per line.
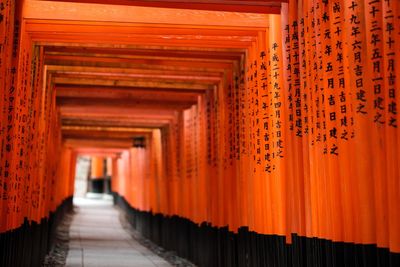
x=98, y=239
x=233, y=133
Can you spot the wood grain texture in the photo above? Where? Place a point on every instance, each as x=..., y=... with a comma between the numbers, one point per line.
x=135, y=14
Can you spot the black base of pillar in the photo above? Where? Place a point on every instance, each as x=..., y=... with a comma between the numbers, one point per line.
x=100, y=185
x=28, y=245
x=208, y=246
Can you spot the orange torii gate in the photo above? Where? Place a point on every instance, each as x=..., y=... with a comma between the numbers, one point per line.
x=271, y=136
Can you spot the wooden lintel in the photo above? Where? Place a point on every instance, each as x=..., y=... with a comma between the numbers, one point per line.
x=230, y=54
x=122, y=83
x=135, y=14
x=98, y=142
x=116, y=122
x=134, y=94
x=265, y=6
x=137, y=77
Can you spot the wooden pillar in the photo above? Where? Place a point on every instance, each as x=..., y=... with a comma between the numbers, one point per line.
x=97, y=168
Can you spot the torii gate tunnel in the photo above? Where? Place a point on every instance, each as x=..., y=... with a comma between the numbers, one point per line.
x=240, y=133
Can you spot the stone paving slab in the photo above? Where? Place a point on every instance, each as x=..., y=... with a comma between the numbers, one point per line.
x=97, y=239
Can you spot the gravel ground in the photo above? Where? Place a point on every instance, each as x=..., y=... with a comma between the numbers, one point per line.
x=58, y=255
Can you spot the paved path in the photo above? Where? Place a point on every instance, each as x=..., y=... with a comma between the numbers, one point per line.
x=97, y=239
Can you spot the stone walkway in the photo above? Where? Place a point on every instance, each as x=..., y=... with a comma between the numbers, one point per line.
x=97, y=239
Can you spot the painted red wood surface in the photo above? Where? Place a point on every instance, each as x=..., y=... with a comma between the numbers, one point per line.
x=284, y=123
